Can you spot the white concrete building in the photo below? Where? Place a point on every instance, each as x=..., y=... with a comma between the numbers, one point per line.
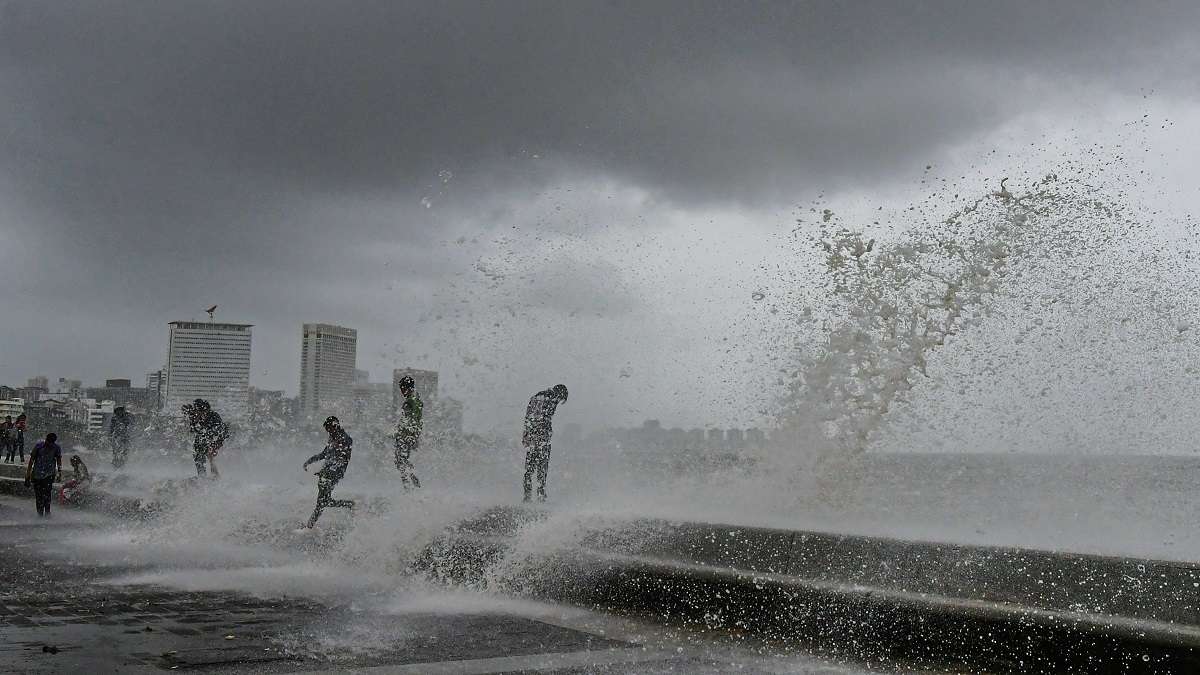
x=209, y=360
x=11, y=406
x=89, y=412
x=328, y=355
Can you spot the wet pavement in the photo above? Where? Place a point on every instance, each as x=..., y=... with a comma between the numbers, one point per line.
x=65, y=613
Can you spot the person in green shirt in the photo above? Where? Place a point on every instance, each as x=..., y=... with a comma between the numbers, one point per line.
x=408, y=431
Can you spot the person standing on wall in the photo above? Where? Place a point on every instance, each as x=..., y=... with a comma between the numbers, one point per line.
x=408, y=431
x=209, y=434
x=19, y=442
x=45, y=466
x=6, y=438
x=119, y=429
x=536, y=437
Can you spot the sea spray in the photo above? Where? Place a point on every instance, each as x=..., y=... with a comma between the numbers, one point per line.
x=894, y=304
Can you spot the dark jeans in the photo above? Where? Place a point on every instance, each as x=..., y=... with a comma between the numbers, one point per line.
x=43, y=490
x=404, y=448
x=13, y=447
x=537, y=460
x=120, y=449
x=325, y=485
x=200, y=457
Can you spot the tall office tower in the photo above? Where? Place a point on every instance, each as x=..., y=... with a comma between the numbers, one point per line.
x=209, y=360
x=156, y=383
x=327, y=357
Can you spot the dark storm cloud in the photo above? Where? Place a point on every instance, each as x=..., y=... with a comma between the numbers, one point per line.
x=721, y=100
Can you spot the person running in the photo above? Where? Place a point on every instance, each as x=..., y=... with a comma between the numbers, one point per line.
x=73, y=491
x=536, y=437
x=119, y=428
x=337, y=457
x=19, y=441
x=6, y=438
x=45, y=465
x=408, y=431
x=210, y=433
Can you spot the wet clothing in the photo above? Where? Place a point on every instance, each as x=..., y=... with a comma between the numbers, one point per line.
x=44, y=463
x=119, y=428
x=538, y=417
x=45, y=460
x=537, y=461
x=337, y=458
x=336, y=455
x=536, y=439
x=74, y=490
x=210, y=433
x=43, y=491
x=408, y=437
x=18, y=443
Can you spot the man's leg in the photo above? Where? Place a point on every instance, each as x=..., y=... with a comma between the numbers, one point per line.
x=401, y=464
x=324, y=491
x=21, y=448
x=42, y=489
x=542, y=466
x=200, y=457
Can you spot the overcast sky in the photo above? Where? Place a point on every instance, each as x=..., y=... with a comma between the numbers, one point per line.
x=514, y=193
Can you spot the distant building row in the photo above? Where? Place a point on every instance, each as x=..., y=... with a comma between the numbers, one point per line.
x=651, y=436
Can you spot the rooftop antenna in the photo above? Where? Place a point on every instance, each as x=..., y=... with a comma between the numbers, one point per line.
x=210, y=311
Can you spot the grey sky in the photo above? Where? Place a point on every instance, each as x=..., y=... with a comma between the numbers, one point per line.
x=422, y=171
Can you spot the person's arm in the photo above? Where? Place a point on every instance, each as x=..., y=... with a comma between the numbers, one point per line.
x=58, y=461
x=29, y=467
x=317, y=457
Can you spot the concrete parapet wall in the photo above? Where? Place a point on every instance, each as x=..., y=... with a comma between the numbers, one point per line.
x=931, y=600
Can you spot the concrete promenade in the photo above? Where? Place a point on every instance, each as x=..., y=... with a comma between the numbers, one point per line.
x=60, y=612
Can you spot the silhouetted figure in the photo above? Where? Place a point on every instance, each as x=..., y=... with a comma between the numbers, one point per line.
x=210, y=433
x=7, y=436
x=19, y=442
x=45, y=465
x=119, y=429
x=536, y=437
x=408, y=431
x=337, y=457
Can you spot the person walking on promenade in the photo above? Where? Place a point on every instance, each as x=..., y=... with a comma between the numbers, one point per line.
x=6, y=438
x=210, y=433
x=337, y=457
x=408, y=431
x=19, y=440
x=45, y=466
x=119, y=429
x=536, y=437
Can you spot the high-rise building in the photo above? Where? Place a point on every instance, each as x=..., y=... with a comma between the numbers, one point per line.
x=328, y=354
x=156, y=384
x=426, y=382
x=40, y=382
x=209, y=360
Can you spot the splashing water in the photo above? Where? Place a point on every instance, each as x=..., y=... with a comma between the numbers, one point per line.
x=896, y=304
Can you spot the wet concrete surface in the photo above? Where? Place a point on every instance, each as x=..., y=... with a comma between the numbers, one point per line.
x=65, y=613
